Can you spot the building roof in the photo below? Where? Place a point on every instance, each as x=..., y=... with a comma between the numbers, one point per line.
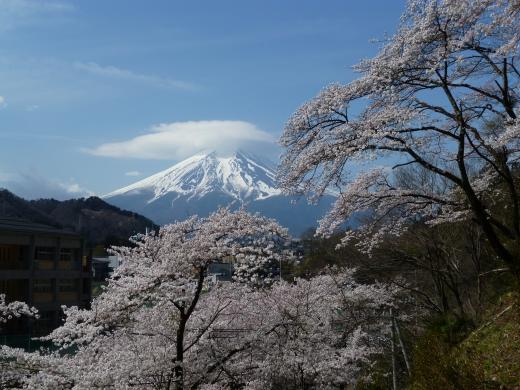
x=23, y=226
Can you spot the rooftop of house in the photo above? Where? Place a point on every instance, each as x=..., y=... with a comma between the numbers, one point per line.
x=24, y=226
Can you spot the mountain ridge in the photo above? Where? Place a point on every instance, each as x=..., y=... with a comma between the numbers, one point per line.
x=205, y=181
x=96, y=220
x=225, y=175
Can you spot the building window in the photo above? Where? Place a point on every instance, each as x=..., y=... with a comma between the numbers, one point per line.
x=15, y=289
x=44, y=253
x=68, y=258
x=42, y=285
x=12, y=257
x=66, y=254
x=67, y=285
x=9, y=252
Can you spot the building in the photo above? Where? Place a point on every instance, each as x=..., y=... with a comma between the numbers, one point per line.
x=44, y=267
x=220, y=272
x=103, y=267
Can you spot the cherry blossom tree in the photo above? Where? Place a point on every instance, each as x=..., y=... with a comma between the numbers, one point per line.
x=318, y=333
x=441, y=96
x=9, y=311
x=161, y=323
x=14, y=309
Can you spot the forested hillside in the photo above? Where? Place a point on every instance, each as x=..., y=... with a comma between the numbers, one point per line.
x=99, y=222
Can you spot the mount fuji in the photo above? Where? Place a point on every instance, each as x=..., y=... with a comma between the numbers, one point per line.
x=203, y=182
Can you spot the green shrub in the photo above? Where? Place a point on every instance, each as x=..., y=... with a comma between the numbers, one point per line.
x=487, y=358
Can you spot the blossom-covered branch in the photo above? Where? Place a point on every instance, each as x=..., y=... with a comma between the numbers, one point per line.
x=441, y=96
x=15, y=309
x=161, y=324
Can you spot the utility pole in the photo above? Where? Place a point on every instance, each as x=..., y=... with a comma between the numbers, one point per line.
x=401, y=343
x=394, y=369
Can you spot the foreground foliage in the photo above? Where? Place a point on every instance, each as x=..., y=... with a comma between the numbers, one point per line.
x=160, y=323
x=486, y=358
x=15, y=309
x=440, y=102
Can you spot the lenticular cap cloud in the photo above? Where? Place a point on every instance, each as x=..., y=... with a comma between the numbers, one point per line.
x=178, y=140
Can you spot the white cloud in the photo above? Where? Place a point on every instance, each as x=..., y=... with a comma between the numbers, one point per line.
x=74, y=188
x=133, y=173
x=31, y=6
x=15, y=13
x=174, y=141
x=2, y=102
x=34, y=186
x=125, y=74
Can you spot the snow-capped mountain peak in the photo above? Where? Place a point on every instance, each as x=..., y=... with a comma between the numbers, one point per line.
x=204, y=182
x=242, y=176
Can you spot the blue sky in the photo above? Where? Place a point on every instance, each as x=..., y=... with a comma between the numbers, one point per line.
x=97, y=94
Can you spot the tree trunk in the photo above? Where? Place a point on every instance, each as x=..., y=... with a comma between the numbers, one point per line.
x=185, y=315
x=179, y=361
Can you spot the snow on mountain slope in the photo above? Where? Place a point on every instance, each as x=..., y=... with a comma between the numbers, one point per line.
x=204, y=182
x=241, y=176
